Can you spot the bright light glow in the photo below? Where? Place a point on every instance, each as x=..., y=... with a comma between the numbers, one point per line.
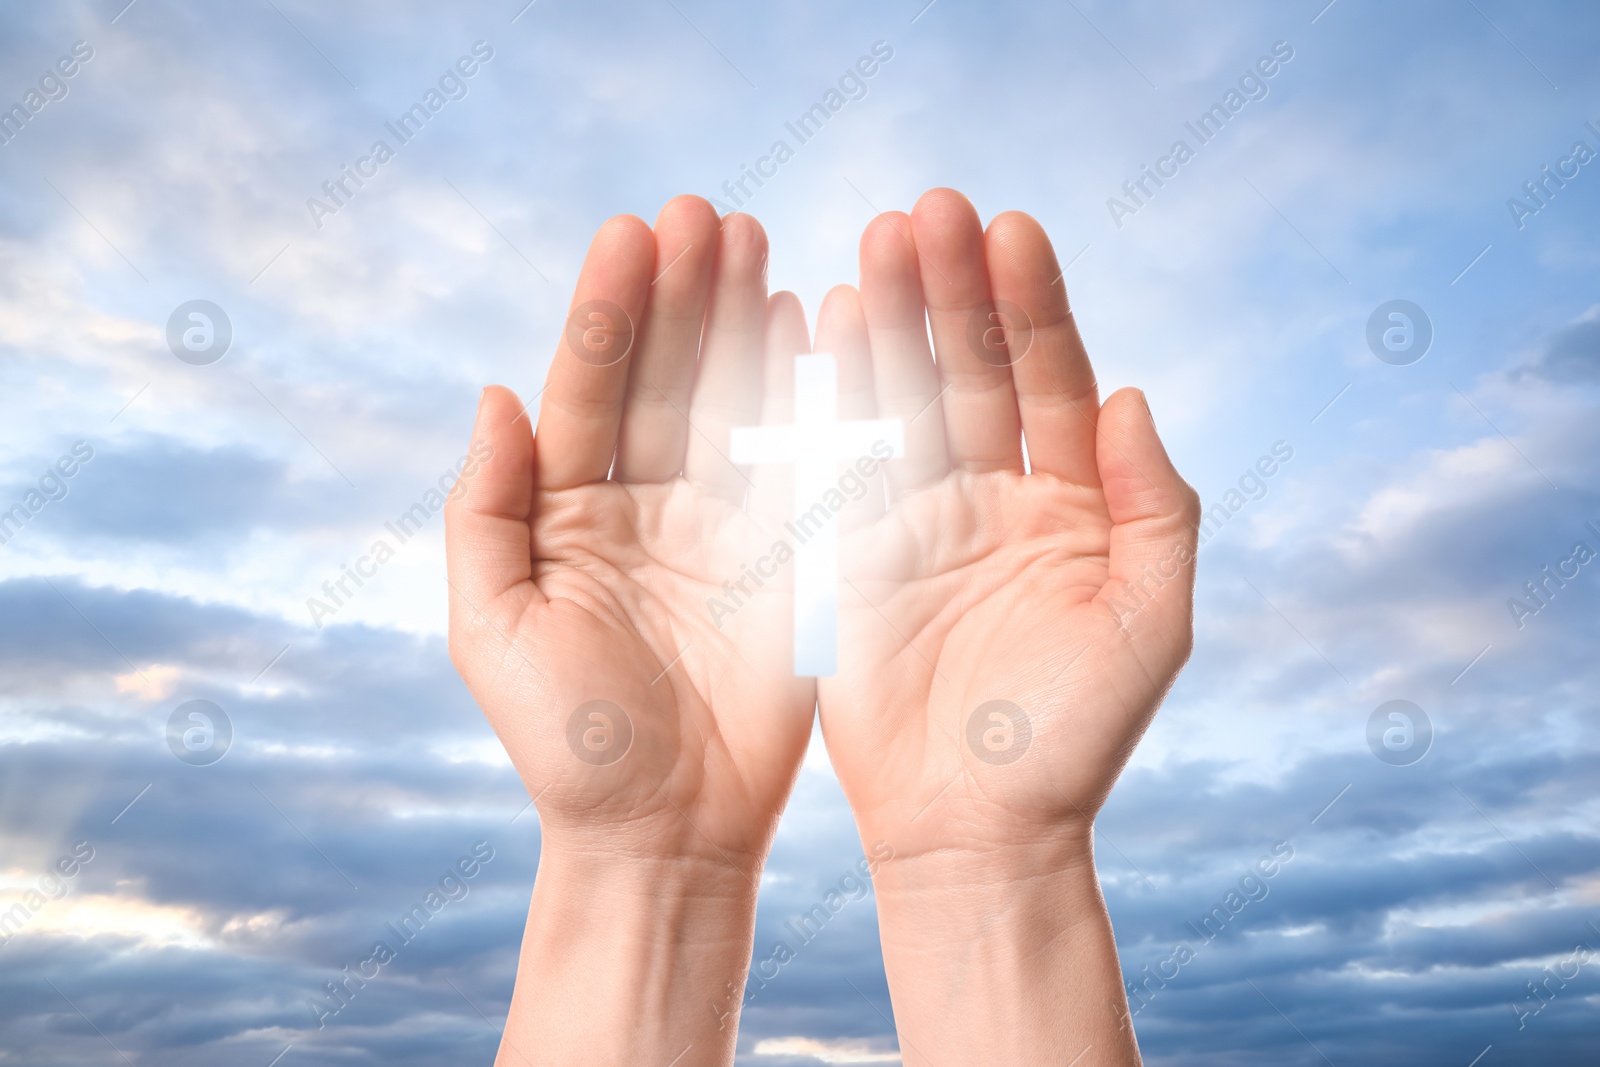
x=843, y=1051
x=155, y=682
x=817, y=443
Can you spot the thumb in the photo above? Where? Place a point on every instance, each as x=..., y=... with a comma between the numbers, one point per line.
x=1155, y=519
x=487, y=534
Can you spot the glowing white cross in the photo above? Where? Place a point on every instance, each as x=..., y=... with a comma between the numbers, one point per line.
x=816, y=443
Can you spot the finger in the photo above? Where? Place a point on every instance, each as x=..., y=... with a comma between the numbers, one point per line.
x=655, y=416
x=905, y=381
x=1155, y=523
x=727, y=386
x=1050, y=370
x=785, y=337
x=488, y=546
x=581, y=406
x=982, y=428
x=842, y=331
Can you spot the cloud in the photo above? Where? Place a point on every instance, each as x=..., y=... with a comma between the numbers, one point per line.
x=154, y=682
x=1420, y=901
x=1571, y=355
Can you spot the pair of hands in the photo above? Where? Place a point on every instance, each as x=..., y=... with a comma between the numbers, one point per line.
x=582, y=563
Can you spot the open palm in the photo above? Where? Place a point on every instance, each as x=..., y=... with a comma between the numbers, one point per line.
x=582, y=557
x=1007, y=636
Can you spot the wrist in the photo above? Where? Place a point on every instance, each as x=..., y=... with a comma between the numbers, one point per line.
x=650, y=952
x=964, y=861
x=1018, y=937
x=683, y=893
x=952, y=896
x=659, y=839
x=635, y=856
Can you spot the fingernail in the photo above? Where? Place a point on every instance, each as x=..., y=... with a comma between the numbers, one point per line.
x=1147, y=412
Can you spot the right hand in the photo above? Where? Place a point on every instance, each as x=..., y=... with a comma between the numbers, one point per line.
x=582, y=559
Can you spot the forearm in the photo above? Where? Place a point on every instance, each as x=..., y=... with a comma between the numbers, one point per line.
x=631, y=962
x=995, y=961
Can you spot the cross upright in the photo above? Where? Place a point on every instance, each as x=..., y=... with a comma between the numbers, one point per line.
x=816, y=443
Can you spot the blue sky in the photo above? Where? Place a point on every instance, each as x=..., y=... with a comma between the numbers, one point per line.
x=1376, y=565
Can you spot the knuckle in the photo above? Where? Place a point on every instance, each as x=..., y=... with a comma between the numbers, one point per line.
x=1190, y=504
